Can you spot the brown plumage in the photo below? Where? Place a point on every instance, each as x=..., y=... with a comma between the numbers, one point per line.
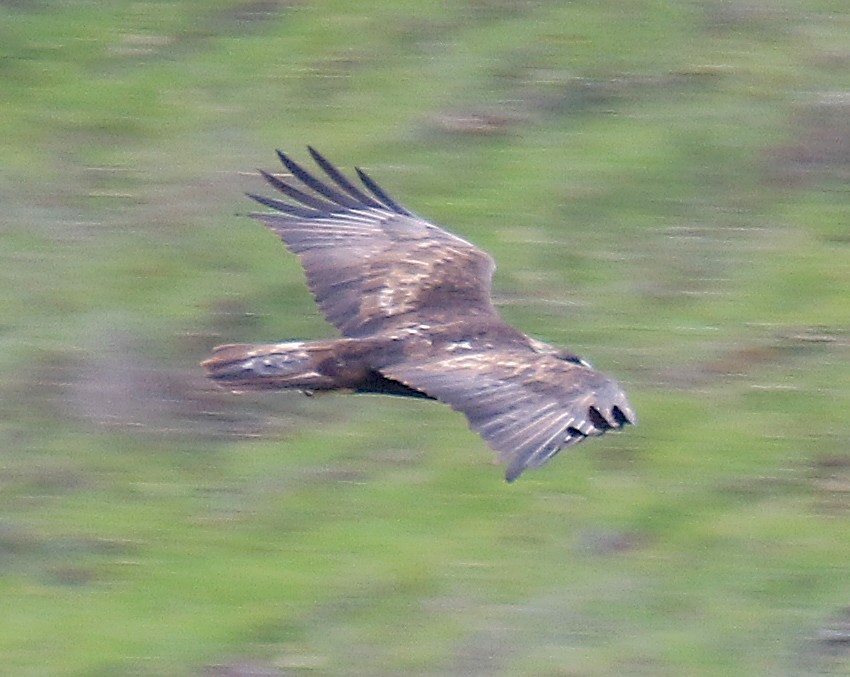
x=412, y=302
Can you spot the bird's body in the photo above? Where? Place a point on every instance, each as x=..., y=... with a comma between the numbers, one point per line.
x=413, y=304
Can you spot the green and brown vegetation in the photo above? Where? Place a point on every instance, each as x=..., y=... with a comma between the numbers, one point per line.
x=666, y=189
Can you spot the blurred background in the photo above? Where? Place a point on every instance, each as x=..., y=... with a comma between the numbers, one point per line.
x=664, y=186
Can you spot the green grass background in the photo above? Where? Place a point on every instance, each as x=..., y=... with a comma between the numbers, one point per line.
x=665, y=188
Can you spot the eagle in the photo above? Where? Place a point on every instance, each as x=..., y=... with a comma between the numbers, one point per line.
x=412, y=302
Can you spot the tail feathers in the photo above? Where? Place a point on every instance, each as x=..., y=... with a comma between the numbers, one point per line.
x=260, y=367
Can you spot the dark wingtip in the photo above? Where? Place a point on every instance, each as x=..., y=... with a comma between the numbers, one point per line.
x=280, y=206
x=325, y=198
x=513, y=471
x=380, y=193
x=622, y=418
x=268, y=176
x=599, y=421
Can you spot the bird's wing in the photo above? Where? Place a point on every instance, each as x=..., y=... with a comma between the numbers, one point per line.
x=527, y=406
x=370, y=262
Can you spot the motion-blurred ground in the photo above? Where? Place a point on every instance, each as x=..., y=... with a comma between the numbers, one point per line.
x=665, y=188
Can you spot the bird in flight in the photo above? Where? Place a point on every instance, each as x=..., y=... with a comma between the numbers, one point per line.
x=412, y=302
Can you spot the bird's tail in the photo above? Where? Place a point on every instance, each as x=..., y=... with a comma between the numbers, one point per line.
x=246, y=366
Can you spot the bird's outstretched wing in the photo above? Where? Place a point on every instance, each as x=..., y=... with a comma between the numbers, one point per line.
x=527, y=406
x=370, y=263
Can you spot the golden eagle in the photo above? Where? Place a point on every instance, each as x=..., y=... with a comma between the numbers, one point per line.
x=413, y=304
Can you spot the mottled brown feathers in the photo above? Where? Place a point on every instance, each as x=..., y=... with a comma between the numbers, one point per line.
x=412, y=302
